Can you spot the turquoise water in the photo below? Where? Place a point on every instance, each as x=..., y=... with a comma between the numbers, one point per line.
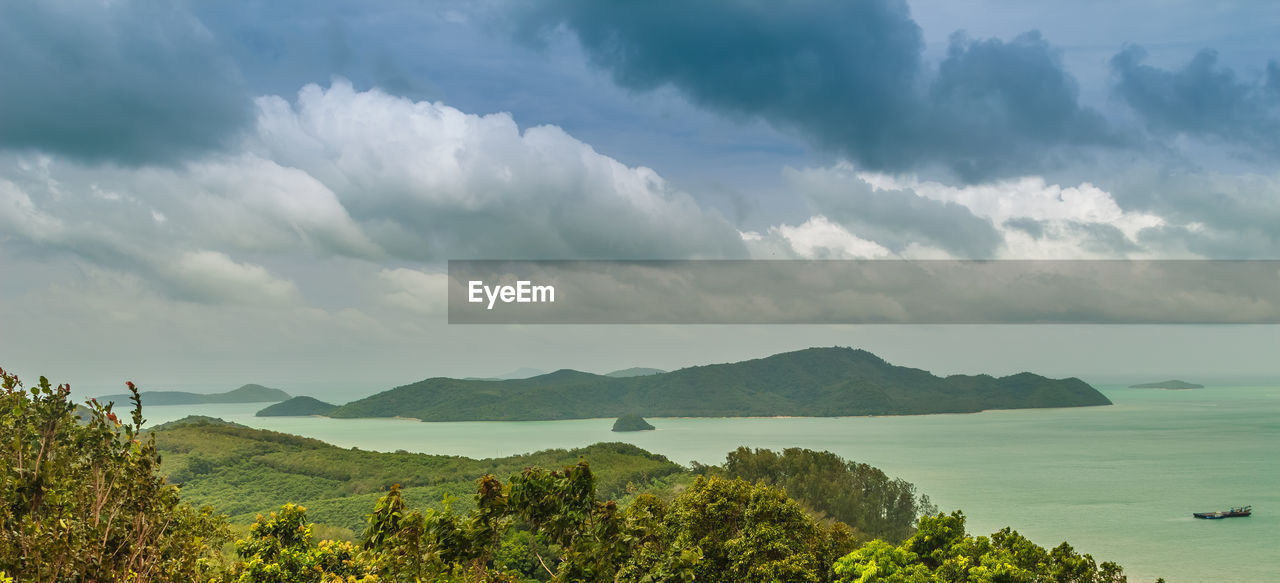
x=1118, y=482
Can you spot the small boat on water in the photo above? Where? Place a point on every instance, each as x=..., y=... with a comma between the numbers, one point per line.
x=1232, y=513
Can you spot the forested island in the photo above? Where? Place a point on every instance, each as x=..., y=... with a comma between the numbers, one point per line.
x=245, y=394
x=1172, y=385
x=817, y=382
x=632, y=423
x=297, y=406
x=102, y=507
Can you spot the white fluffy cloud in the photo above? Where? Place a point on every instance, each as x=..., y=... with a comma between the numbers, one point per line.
x=1025, y=218
x=341, y=173
x=816, y=238
x=429, y=182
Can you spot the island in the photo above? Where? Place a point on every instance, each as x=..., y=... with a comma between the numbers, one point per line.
x=245, y=394
x=1172, y=385
x=815, y=382
x=632, y=423
x=297, y=407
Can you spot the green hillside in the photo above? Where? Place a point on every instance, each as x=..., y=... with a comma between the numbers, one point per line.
x=244, y=472
x=245, y=394
x=297, y=406
x=817, y=382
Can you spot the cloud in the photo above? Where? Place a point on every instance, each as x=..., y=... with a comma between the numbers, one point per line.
x=1202, y=99
x=128, y=82
x=894, y=217
x=430, y=182
x=816, y=238
x=415, y=291
x=1025, y=218
x=259, y=205
x=343, y=175
x=1000, y=108
x=849, y=76
x=213, y=277
x=20, y=217
x=1210, y=214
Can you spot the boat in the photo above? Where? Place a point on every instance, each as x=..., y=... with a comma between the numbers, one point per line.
x=1232, y=513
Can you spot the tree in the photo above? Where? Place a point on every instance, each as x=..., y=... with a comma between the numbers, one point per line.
x=941, y=551
x=83, y=498
x=279, y=549
x=859, y=495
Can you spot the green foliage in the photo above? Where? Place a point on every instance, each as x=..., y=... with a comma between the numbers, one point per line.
x=245, y=472
x=83, y=499
x=751, y=532
x=942, y=551
x=279, y=549
x=857, y=494
x=548, y=525
x=818, y=382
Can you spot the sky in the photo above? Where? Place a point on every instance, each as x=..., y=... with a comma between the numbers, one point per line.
x=199, y=195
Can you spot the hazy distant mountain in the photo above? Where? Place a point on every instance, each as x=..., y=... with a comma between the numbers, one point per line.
x=519, y=373
x=245, y=394
x=297, y=406
x=634, y=371
x=816, y=382
x=1170, y=384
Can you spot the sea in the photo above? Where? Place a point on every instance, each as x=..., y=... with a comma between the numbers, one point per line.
x=1118, y=482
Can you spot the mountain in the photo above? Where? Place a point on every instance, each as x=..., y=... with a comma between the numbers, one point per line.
x=817, y=382
x=244, y=394
x=1170, y=384
x=634, y=372
x=297, y=406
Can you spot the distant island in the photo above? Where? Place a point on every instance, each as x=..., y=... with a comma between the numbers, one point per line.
x=632, y=423
x=245, y=394
x=816, y=382
x=1173, y=385
x=297, y=406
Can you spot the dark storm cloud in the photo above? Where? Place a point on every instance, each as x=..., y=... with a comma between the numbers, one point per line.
x=1000, y=107
x=848, y=75
x=1202, y=99
x=122, y=81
